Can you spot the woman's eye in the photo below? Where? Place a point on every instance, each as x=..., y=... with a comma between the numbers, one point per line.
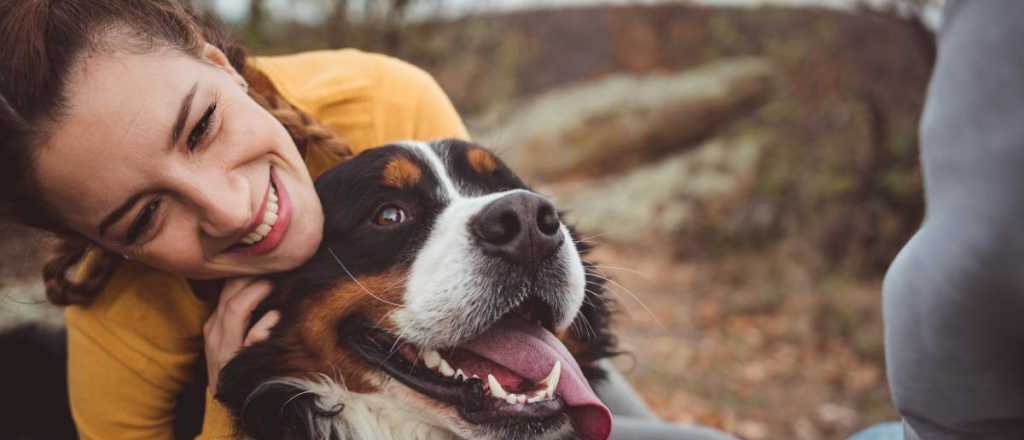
x=195, y=137
x=142, y=221
x=390, y=215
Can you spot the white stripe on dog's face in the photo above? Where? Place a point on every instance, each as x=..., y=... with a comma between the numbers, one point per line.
x=455, y=291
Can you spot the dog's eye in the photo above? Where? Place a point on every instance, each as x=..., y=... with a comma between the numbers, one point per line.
x=390, y=215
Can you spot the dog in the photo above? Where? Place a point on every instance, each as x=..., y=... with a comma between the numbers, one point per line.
x=446, y=300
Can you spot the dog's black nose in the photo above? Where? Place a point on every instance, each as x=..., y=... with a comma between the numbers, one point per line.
x=521, y=227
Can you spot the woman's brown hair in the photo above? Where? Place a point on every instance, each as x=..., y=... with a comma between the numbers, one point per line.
x=43, y=39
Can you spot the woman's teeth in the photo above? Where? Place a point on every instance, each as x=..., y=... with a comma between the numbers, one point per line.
x=269, y=218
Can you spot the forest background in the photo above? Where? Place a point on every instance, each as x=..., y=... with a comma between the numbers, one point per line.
x=747, y=170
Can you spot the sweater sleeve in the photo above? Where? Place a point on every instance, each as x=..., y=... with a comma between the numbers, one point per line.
x=131, y=353
x=410, y=104
x=414, y=106
x=368, y=99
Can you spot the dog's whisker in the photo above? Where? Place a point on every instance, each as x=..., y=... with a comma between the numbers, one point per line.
x=635, y=298
x=394, y=347
x=624, y=269
x=583, y=324
x=589, y=238
x=388, y=315
x=400, y=281
x=356, y=280
x=590, y=327
x=617, y=295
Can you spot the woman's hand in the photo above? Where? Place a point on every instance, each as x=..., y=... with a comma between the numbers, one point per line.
x=225, y=332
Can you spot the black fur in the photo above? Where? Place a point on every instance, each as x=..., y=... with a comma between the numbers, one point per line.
x=33, y=375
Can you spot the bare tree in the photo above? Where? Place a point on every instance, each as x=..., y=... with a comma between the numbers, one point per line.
x=257, y=20
x=337, y=24
x=379, y=26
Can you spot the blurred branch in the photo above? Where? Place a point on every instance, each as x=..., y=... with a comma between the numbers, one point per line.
x=337, y=25
x=257, y=20
x=378, y=26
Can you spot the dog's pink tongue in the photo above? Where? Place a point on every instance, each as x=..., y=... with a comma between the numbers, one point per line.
x=531, y=351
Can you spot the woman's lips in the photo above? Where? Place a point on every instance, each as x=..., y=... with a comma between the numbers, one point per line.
x=276, y=234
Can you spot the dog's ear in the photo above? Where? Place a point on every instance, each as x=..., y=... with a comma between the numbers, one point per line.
x=268, y=402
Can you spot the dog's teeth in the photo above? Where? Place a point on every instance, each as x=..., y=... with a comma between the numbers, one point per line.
x=496, y=390
x=446, y=369
x=551, y=382
x=432, y=359
x=540, y=395
x=460, y=375
x=520, y=398
x=511, y=398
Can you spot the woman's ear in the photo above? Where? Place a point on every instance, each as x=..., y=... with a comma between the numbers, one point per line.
x=216, y=57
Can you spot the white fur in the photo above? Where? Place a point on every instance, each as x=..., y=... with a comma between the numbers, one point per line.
x=365, y=416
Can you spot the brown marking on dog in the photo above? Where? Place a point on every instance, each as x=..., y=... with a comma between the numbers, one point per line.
x=482, y=161
x=401, y=173
x=572, y=343
x=321, y=314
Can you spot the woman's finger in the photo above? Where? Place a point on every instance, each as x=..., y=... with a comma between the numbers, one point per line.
x=261, y=330
x=234, y=318
x=232, y=287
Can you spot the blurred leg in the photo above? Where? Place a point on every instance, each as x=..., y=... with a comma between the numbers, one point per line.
x=954, y=296
x=620, y=397
x=628, y=428
x=635, y=421
x=881, y=431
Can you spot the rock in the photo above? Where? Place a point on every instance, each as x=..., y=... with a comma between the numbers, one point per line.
x=654, y=203
x=25, y=303
x=608, y=125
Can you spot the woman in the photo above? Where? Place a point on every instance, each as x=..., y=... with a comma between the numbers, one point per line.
x=147, y=140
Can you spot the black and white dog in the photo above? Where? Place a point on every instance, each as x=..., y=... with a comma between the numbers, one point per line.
x=447, y=300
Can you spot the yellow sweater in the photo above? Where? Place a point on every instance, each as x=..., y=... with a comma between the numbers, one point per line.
x=134, y=349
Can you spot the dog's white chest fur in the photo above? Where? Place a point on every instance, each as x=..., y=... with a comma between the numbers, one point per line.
x=367, y=416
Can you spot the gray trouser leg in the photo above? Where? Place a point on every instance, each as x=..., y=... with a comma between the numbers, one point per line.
x=635, y=421
x=627, y=428
x=954, y=297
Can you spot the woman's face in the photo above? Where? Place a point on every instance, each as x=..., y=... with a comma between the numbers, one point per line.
x=163, y=157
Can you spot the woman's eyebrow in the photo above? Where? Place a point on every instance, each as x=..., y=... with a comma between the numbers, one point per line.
x=116, y=215
x=186, y=105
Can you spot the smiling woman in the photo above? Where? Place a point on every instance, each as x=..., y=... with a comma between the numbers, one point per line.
x=161, y=154
x=198, y=162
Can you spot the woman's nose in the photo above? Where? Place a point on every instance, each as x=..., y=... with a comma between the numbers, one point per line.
x=223, y=213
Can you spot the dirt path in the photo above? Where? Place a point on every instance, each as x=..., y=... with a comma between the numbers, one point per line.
x=751, y=345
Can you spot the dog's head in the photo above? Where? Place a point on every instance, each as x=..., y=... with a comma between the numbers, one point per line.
x=446, y=297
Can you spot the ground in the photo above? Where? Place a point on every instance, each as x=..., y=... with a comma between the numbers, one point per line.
x=750, y=344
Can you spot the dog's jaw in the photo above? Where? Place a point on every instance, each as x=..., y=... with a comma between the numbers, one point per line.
x=455, y=292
